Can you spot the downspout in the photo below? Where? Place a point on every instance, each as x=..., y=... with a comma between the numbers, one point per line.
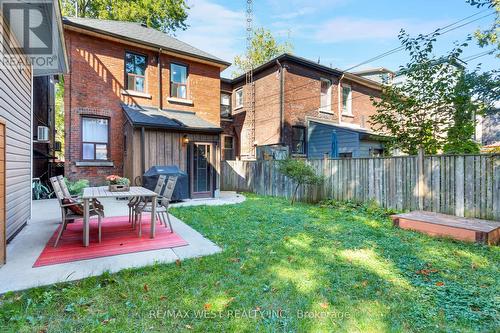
x=282, y=99
x=143, y=150
x=339, y=95
x=160, y=96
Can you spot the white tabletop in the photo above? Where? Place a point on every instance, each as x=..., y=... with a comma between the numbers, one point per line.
x=103, y=192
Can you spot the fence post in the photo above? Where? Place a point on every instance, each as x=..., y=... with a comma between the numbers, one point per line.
x=496, y=188
x=421, y=178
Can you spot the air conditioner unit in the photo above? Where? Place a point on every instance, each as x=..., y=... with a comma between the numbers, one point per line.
x=42, y=133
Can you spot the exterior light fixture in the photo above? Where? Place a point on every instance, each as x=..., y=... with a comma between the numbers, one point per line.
x=185, y=139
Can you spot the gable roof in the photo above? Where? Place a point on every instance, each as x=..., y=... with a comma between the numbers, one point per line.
x=309, y=64
x=143, y=116
x=138, y=33
x=292, y=58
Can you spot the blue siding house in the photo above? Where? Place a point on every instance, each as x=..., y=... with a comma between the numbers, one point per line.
x=341, y=141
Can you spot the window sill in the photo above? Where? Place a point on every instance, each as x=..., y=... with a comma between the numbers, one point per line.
x=180, y=101
x=350, y=115
x=135, y=94
x=238, y=107
x=326, y=112
x=226, y=119
x=94, y=163
x=299, y=155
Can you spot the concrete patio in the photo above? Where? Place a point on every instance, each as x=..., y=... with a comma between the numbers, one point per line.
x=25, y=248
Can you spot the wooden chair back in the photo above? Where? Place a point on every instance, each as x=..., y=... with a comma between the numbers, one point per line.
x=63, y=186
x=57, y=189
x=159, y=184
x=169, y=190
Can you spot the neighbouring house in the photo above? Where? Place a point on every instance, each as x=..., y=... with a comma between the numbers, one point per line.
x=20, y=84
x=136, y=97
x=379, y=74
x=488, y=129
x=306, y=107
x=45, y=164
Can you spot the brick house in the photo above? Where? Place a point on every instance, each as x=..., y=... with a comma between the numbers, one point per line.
x=309, y=108
x=136, y=97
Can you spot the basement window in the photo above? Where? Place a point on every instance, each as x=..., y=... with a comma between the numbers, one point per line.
x=135, y=69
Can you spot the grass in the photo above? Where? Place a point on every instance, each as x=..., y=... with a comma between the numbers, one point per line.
x=301, y=268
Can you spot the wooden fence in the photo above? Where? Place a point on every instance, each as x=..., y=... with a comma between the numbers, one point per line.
x=462, y=185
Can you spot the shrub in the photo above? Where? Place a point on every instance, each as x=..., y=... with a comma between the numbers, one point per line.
x=76, y=187
x=300, y=172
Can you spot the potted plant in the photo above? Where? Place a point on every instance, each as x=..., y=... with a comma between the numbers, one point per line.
x=117, y=183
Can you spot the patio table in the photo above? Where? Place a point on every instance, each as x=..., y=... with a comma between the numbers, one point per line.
x=91, y=193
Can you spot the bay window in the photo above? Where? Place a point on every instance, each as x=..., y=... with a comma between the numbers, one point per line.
x=225, y=105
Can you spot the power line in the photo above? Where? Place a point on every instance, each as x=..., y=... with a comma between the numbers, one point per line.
x=400, y=48
x=478, y=55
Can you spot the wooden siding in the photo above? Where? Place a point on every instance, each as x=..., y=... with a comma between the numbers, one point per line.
x=461, y=185
x=162, y=148
x=15, y=110
x=319, y=141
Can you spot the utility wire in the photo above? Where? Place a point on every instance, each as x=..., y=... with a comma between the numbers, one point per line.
x=400, y=48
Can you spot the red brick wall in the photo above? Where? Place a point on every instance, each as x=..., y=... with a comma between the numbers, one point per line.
x=302, y=97
x=302, y=100
x=362, y=107
x=94, y=87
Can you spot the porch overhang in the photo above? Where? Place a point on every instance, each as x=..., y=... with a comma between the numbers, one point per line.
x=172, y=120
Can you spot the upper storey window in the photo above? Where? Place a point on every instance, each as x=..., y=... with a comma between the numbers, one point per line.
x=178, y=81
x=135, y=69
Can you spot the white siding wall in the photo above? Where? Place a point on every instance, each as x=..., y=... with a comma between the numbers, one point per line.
x=15, y=110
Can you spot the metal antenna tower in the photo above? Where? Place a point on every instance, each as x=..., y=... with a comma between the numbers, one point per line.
x=250, y=85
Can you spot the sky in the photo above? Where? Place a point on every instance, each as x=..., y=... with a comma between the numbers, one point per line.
x=337, y=33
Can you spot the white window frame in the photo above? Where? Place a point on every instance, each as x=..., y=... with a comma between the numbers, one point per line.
x=348, y=110
x=238, y=100
x=328, y=107
x=228, y=105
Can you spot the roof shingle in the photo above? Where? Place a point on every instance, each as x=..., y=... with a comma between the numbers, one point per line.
x=168, y=119
x=141, y=34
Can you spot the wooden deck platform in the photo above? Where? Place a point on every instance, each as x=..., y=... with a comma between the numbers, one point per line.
x=461, y=228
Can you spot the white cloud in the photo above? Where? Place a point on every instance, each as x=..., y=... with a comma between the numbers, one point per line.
x=295, y=14
x=342, y=29
x=215, y=29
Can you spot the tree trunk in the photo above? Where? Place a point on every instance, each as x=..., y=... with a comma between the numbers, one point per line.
x=295, y=193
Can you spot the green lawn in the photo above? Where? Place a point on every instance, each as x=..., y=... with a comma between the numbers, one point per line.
x=344, y=268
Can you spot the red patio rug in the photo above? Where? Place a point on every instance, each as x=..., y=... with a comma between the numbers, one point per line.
x=117, y=237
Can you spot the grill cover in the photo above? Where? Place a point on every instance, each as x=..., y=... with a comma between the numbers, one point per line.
x=181, y=191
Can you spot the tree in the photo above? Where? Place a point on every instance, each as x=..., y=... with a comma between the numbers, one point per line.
x=418, y=112
x=164, y=15
x=264, y=47
x=300, y=172
x=59, y=115
x=489, y=36
x=460, y=134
